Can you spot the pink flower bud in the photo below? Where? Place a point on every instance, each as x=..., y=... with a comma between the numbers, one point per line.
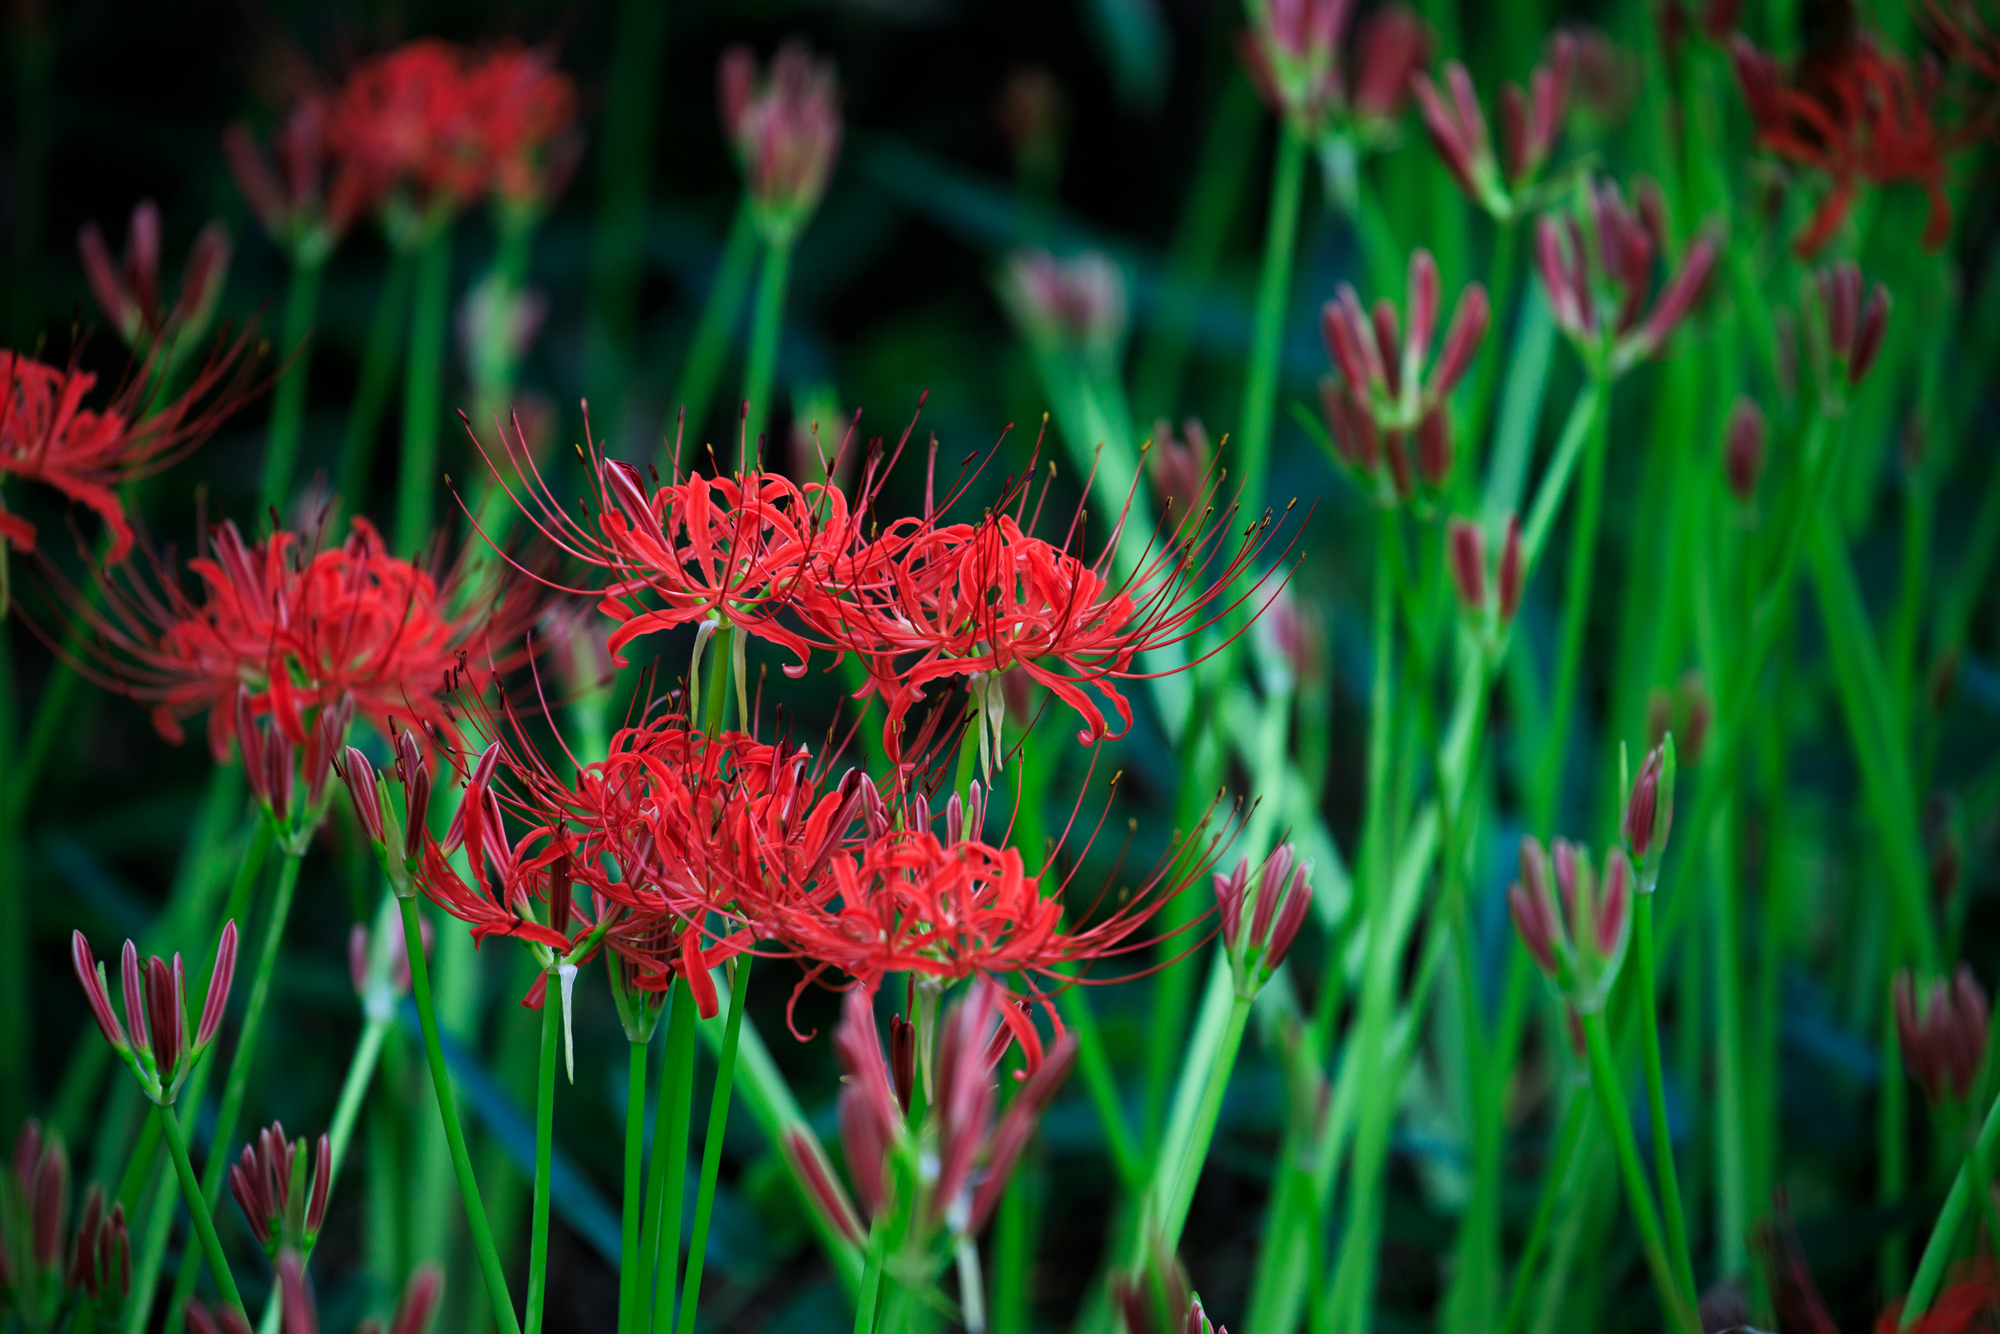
x=1469, y=319
x=1681, y=293
x=220, y=978
x=1649, y=812
x=809, y=1162
x=1533, y=908
x=48, y=1204
x=1390, y=46
x=364, y=792
x=1424, y=299
x=1514, y=148
x=1944, y=1043
x=1512, y=572
x=966, y=1095
x=1868, y=333
x=1465, y=554
x=1454, y=142
x=416, y=775
x=90, y=974
x=1743, y=449
x=1434, y=454
x=419, y=1305
x=135, y=999
x=626, y=489
x=1614, y=906
x=1465, y=101
x=165, y=1018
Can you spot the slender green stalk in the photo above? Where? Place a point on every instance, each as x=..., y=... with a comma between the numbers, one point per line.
x=1545, y=1211
x=635, y=1156
x=1732, y=1203
x=354, y=1089
x=236, y=1086
x=1013, y=1253
x=1638, y=1195
x=1180, y=1164
x=720, y=311
x=1102, y=1085
x=1267, y=339
x=660, y=1244
x=454, y=1132
x=1656, y=1099
x=767, y=322
x=288, y=399
x=1971, y=1178
x=204, y=1224
x=545, y=1122
x=871, y=1283
x=378, y=373
x=711, y=1144
x=423, y=390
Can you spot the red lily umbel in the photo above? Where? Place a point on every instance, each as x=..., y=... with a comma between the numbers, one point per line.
x=785, y=129
x=282, y=1189
x=129, y=292
x=153, y=1039
x=48, y=436
x=44, y=1280
x=304, y=631
x=305, y=195
x=1599, y=276
x=1859, y=116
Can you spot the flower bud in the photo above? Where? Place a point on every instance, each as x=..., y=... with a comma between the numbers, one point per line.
x=1513, y=572
x=1649, y=812
x=1469, y=321
x=1434, y=448
x=815, y=1173
x=1533, y=908
x=415, y=774
x=1944, y=1041
x=1868, y=334
x=869, y=1120
x=1743, y=449
x=786, y=131
x=1465, y=551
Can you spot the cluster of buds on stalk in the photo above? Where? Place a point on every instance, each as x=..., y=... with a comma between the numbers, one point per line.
x=1649, y=811
x=1575, y=926
x=1074, y=305
x=378, y=962
x=1293, y=51
x=1529, y=124
x=1180, y=465
x=154, y=1040
x=414, y=1312
x=1389, y=393
x=129, y=290
x=1943, y=1038
x=1259, y=923
x=1686, y=712
x=1843, y=332
x=785, y=128
x=398, y=843
x=37, y=1286
x=289, y=192
x=1489, y=605
x=275, y=767
x=952, y=1169
x=1743, y=450
x=283, y=1197
x=1599, y=271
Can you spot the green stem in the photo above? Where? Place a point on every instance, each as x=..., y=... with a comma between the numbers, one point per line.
x=712, y=331
x=711, y=1145
x=288, y=399
x=204, y=1224
x=454, y=1132
x=1638, y=1195
x=660, y=1246
x=1180, y=1165
x=423, y=389
x=1944, y=1235
x=635, y=1156
x=545, y=1123
x=378, y=373
x=1101, y=1083
x=1656, y=1103
x=354, y=1089
x=1013, y=1254
x=1260, y=380
x=871, y=1283
x=1545, y=1212
x=1731, y=1168
x=767, y=323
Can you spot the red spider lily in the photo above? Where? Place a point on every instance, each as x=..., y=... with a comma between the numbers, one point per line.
x=1859, y=116
x=282, y=1191
x=100, y=1267
x=524, y=110
x=48, y=436
x=1743, y=449
x=1529, y=123
x=292, y=197
x=1599, y=292
x=304, y=632
x=1390, y=393
x=130, y=292
x=1843, y=331
x=154, y=1040
x=785, y=129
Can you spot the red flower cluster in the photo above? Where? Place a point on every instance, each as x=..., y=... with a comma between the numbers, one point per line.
x=47, y=435
x=303, y=631
x=447, y=124
x=1860, y=116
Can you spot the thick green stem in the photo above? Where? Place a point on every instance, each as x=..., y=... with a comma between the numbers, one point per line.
x=378, y=373
x=719, y=313
x=766, y=324
x=354, y=1089
x=423, y=390
x=711, y=1144
x=545, y=1125
x=1656, y=1101
x=1971, y=1179
x=1267, y=340
x=660, y=1246
x=1732, y=1203
x=204, y=1224
x=1180, y=1166
x=1638, y=1195
x=288, y=400
x=1013, y=1254
x=635, y=1157
x=1545, y=1211
x=871, y=1283
x=454, y=1132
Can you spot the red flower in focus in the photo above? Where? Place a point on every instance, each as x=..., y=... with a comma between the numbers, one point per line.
x=303, y=631
x=785, y=129
x=291, y=195
x=1858, y=116
x=48, y=436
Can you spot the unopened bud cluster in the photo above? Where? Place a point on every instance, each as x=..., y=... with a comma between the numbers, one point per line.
x=1488, y=604
x=398, y=843
x=153, y=1039
x=1649, y=812
x=1293, y=49
x=1529, y=123
x=785, y=128
x=1575, y=924
x=1260, y=922
x=1598, y=271
x=1944, y=1037
x=1843, y=330
x=282, y=1189
x=277, y=764
x=1386, y=408
x=45, y=1281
